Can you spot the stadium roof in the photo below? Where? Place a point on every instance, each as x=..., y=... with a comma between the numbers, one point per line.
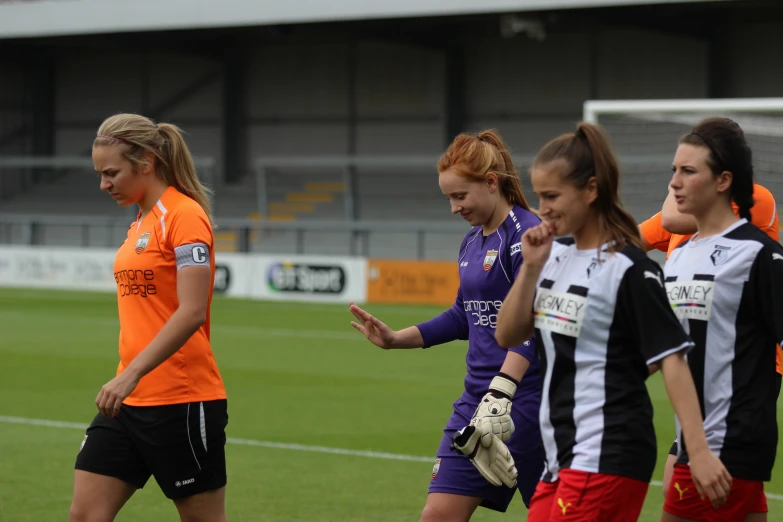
x=36, y=18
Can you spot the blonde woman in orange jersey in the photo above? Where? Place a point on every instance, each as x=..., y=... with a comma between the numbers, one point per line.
x=164, y=414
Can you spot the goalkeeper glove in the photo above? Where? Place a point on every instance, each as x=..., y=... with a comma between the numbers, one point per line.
x=494, y=462
x=493, y=415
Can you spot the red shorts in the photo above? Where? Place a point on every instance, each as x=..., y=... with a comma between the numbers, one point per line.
x=682, y=500
x=579, y=496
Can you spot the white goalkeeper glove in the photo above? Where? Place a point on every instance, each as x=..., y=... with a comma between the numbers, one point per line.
x=493, y=415
x=494, y=462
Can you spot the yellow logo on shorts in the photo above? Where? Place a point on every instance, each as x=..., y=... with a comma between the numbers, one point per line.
x=563, y=506
x=680, y=491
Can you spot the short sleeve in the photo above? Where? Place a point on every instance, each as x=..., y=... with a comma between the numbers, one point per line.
x=654, y=234
x=766, y=278
x=675, y=449
x=764, y=214
x=642, y=296
x=189, y=233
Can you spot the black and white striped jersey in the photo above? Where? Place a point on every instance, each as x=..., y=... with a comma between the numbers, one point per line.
x=600, y=320
x=727, y=291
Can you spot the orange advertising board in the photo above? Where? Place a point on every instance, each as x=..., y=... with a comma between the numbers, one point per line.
x=412, y=282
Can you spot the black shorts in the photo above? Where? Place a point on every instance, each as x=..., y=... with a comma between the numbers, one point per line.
x=182, y=445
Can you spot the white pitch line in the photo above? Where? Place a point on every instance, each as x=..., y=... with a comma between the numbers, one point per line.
x=333, y=451
x=277, y=445
x=242, y=442
x=43, y=422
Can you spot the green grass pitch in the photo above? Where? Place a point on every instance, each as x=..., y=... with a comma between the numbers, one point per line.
x=296, y=374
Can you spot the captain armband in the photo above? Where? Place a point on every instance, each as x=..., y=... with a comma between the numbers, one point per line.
x=193, y=254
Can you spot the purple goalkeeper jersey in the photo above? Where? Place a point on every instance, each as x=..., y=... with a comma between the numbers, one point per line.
x=487, y=268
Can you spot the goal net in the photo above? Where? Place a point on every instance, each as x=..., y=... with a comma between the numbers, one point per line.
x=644, y=135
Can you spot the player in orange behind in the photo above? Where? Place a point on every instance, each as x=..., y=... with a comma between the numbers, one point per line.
x=165, y=411
x=667, y=229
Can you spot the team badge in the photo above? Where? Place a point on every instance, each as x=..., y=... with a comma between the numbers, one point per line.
x=435, y=469
x=489, y=259
x=142, y=242
x=594, y=268
x=720, y=255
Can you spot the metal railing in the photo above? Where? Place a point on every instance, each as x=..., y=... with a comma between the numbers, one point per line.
x=35, y=169
x=301, y=237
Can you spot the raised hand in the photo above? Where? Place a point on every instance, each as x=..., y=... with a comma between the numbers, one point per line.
x=537, y=243
x=373, y=328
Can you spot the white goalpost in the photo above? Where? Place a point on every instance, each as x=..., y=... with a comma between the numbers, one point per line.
x=644, y=134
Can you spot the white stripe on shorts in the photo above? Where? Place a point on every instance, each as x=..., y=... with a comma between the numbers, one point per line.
x=187, y=427
x=203, y=424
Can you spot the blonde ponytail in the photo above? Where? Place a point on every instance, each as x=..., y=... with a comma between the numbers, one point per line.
x=179, y=170
x=140, y=136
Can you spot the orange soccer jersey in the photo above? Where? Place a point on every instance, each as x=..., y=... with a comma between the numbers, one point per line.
x=763, y=214
x=145, y=270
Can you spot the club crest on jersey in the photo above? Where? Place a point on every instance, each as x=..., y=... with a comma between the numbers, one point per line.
x=489, y=259
x=435, y=469
x=720, y=255
x=594, y=268
x=142, y=242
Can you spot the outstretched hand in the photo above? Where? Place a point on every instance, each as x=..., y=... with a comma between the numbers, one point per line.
x=373, y=328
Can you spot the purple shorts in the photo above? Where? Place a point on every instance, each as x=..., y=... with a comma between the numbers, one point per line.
x=453, y=473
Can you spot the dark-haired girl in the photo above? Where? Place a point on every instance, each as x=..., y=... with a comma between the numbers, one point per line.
x=725, y=285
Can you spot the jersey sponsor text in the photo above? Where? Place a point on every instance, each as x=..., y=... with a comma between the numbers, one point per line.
x=135, y=282
x=485, y=313
x=559, y=312
x=691, y=299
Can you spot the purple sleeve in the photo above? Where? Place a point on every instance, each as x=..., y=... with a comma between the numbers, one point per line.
x=448, y=326
x=516, y=255
x=528, y=348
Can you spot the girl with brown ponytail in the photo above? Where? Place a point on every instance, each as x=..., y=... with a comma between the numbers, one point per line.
x=597, y=306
